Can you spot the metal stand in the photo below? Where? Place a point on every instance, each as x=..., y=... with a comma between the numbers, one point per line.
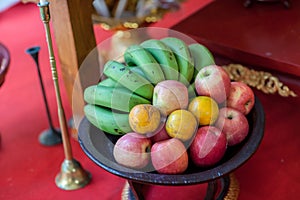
x=51, y=136
x=72, y=176
x=224, y=188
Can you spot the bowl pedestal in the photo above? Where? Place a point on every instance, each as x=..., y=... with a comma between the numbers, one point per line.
x=225, y=187
x=221, y=183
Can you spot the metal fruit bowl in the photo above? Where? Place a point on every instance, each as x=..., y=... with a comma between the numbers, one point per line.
x=98, y=146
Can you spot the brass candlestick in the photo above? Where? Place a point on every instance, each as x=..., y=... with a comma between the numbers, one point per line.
x=72, y=175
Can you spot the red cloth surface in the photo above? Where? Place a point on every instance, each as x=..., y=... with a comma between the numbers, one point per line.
x=28, y=169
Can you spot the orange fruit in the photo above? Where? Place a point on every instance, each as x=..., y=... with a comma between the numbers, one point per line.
x=205, y=109
x=181, y=124
x=144, y=118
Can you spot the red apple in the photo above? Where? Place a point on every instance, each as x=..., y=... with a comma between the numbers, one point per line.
x=241, y=97
x=170, y=95
x=169, y=156
x=132, y=150
x=234, y=124
x=208, y=146
x=213, y=81
x=160, y=135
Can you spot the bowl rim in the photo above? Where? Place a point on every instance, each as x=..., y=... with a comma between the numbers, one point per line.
x=246, y=152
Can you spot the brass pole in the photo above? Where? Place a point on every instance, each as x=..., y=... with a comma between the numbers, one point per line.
x=45, y=17
x=72, y=175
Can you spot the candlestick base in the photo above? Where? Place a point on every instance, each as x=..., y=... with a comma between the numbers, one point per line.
x=72, y=176
x=50, y=137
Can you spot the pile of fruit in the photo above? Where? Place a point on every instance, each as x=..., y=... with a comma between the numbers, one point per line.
x=171, y=105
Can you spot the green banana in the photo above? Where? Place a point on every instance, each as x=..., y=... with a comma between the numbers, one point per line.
x=164, y=56
x=107, y=120
x=138, y=70
x=108, y=82
x=120, y=99
x=202, y=57
x=183, y=58
x=192, y=91
x=135, y=55
x=132, y=81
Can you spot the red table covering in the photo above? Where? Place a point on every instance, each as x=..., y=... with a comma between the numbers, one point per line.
x=28, y=169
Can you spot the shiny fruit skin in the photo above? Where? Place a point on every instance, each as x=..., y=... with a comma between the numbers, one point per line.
x=181, y=124
x=144, y=118
x=132, y=150
x=205, y=109
x=169, y=156
x=208, y=146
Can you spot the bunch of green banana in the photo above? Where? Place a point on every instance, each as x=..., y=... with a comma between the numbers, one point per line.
x=164, y=56
x=128, y=79
x=183, y=57
x=118, y=98
x=108, y=82
x=202, y=57
x=109, y=101
x=111, y=83
x=128, y=84
x=135, y=55
x=111, y=122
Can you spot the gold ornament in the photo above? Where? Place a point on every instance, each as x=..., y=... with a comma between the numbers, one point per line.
x=234, y=188
x=130, y=14
x=260, y=80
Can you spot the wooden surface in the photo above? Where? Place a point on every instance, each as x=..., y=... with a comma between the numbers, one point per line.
x=265, y=34
x=74, y=36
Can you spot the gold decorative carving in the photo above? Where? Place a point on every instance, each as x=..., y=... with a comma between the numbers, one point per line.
x=234, y=188
x=260, y=80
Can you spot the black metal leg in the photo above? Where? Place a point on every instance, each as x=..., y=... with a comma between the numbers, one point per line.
x=229, y=188
x=135, y=191
x=211, y=191
x=225, y=184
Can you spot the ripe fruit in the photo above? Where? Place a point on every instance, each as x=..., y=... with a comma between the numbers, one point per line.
x=144, y=118
x=205, y=109
x=169, y=105
x=132, y=150
x=181, y=124
x=241, y=97
x=213, y=81
x=208, y=146
x=169, y=156
x=170, y=95
x=160, y=135
x=234, y=124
